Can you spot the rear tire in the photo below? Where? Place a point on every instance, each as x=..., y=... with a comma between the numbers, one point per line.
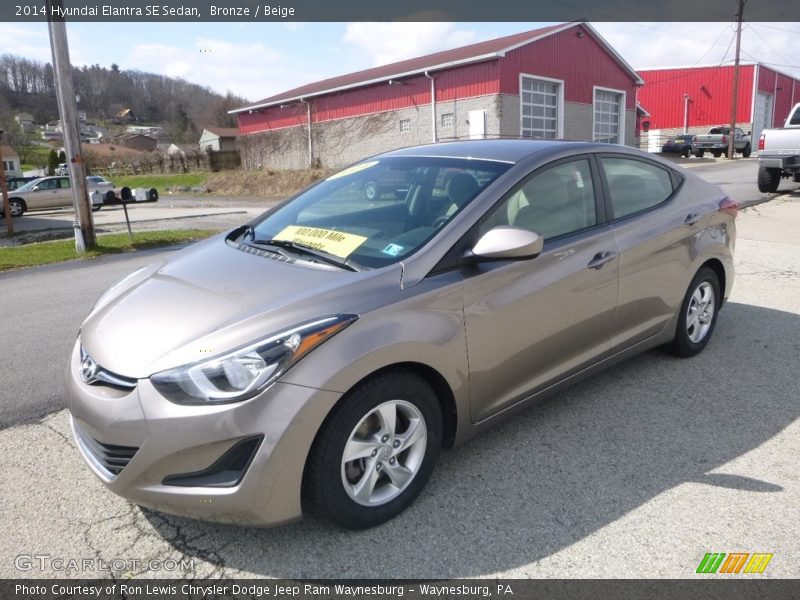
x=698, y=314
x=717, y=154
x=768, y=180
x=375, y=451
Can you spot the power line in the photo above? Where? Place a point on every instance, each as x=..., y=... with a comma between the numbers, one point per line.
x=776, y=28
x=712, y=45
x=767, y=44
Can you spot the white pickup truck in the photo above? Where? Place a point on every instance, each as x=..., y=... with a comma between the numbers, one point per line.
x=779, y=153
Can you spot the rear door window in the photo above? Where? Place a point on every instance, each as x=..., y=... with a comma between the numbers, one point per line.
x=634, y=185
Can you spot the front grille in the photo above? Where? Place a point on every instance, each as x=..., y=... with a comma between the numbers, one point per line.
x=108, y=457
x=92, y=373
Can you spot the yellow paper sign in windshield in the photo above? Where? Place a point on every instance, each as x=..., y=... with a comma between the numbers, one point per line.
x=333, y=242
x=353, y=169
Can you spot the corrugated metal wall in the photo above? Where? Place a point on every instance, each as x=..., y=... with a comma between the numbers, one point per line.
x=581, y=62
x=710, y=91
x=462, y=82
x=784, y=90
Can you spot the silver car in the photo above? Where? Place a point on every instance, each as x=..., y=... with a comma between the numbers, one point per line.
x=318, y=359
x=53, y=192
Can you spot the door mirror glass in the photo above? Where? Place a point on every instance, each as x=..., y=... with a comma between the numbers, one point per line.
x=36, y=188
x=508, y=243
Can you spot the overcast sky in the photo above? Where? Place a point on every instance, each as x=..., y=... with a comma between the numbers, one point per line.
x=256, y=60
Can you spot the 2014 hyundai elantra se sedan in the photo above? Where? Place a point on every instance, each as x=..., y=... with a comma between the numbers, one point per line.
x=319, y=358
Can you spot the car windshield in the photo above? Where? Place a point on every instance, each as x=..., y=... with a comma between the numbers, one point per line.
x=28, y=186
x=376, y=212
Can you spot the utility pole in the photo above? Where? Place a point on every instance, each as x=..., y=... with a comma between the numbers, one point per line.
x=4, y=188
x=68, y=109
x=734, y=99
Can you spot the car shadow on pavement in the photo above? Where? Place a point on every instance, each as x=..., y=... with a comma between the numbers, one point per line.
x=556, y=473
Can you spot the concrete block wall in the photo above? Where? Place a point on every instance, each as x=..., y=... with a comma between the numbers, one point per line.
x=343, y=141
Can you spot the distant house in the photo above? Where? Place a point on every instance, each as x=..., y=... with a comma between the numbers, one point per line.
x=25, y=122
x=126, y=114
x=137, y=141
x=11, y=162
x=218, y=139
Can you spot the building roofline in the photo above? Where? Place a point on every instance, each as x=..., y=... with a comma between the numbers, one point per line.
x=742, y=63
x=448, y=64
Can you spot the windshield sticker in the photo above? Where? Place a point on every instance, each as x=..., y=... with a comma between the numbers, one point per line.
x=393, y=250
x=353, y=169
x=333, y=242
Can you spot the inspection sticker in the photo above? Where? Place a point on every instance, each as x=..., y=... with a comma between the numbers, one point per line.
x=392, y=250
x=353, y=169
x=333, y=242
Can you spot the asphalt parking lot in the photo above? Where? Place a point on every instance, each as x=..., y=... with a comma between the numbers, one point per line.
x=637, y=472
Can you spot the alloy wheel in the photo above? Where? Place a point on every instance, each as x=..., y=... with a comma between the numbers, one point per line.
x=700, y=312
x=384, y=453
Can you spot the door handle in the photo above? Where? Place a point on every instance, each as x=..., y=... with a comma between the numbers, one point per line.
x=600, y=259
x=691, y=219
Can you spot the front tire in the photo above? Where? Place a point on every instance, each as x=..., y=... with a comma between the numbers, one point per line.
x=768, y=180
x=699, y=153
x=16, y=207
x=746, y=152
x=698, y=314
x=375, y=452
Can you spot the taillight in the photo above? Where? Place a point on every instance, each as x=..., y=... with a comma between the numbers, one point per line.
x=728, y=205
x=761, y=141
x=724, y=139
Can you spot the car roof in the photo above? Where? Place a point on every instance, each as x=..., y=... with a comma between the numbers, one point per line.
x=508, y=150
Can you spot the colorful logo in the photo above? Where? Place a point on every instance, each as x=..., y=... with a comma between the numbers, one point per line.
x=734, y=562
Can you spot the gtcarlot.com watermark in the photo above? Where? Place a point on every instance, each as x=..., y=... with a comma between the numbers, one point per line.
x=48, y=562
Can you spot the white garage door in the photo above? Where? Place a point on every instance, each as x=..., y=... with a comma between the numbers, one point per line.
x=762, y=115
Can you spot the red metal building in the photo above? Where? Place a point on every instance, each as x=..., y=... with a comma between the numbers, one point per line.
x=696, y=98
x=562, y=81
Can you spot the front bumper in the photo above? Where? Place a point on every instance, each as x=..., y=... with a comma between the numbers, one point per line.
x=161, y=438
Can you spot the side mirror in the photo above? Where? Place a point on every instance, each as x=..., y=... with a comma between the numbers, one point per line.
x=36, y=188
x=508, y=243
x=748, y=133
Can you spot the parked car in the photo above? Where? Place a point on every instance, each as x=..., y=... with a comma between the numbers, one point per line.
x=680, y=144
x=319, y=358
x=717, y=139
x=16, y=182
x=100, y=180
x=51, y=192
x=779, y=153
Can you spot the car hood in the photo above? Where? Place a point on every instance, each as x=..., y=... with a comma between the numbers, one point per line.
x=212, y=298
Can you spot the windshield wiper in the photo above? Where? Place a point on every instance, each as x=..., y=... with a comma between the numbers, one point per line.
x=344, y=263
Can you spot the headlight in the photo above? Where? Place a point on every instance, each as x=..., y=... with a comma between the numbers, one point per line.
x=245, y=372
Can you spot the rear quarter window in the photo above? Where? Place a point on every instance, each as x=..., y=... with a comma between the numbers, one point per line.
x=635, y=186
